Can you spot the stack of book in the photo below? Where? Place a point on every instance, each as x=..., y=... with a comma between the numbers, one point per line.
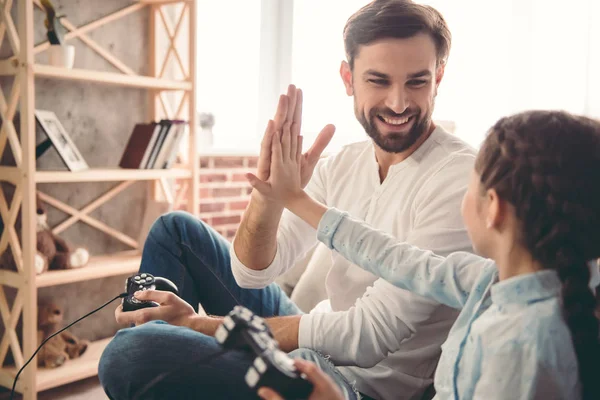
x=154, y=145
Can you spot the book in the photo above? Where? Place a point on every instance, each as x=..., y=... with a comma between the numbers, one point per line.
x=165, y=151
x=181, y=132
x=155, y=135
x=164, y=128
x=137, y=145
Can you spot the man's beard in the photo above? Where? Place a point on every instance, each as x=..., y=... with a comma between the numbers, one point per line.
x=395, y=142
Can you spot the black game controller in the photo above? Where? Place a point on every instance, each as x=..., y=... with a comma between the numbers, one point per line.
x=241, y=329
x=145, y=281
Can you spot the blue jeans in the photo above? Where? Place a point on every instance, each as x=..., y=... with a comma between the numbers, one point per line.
x=161, y=361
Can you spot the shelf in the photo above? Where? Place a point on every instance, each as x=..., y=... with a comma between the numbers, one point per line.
x=160, y=2
x=72, y=371
x=110, y=174
x=77, y=74
x=98, y=267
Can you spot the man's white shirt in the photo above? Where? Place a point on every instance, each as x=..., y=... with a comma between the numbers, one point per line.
x=392, y=336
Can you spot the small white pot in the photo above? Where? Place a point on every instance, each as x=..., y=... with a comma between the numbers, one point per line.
x=61, y=55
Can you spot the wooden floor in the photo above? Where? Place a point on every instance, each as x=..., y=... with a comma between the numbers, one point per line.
x=87, y=389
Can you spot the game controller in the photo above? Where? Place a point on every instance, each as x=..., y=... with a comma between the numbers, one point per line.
x=144, y=281
x=243, y=330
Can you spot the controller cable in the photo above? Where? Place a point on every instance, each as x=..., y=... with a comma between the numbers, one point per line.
x=122, y=295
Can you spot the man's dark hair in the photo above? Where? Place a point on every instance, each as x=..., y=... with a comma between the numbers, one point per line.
x=401, y=19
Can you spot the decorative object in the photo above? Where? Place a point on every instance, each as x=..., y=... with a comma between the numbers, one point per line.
x=59, y=54
x=61, y=140
x=64, y=346
x=205, y=138
x=52, y=252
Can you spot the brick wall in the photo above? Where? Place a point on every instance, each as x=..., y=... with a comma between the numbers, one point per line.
x=224, y=190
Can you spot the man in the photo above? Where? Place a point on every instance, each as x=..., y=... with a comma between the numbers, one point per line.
x=408, y=180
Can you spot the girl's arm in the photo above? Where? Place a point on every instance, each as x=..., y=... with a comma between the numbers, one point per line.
x=447, y=280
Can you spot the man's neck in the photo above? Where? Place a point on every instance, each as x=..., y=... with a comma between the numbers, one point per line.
x=385, y=159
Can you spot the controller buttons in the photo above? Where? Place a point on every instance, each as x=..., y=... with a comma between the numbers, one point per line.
x=252, y=377
x=143, y=275
x=228, y=322
x=260, y=365
x=258, y=324
x=282, y=359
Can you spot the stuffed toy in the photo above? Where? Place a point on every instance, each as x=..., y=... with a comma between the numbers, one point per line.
x=62, y=347
x=52, y=252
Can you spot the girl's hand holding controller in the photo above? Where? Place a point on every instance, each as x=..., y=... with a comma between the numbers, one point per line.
x=324, y=387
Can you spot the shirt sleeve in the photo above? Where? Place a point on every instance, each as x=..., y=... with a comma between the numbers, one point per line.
x=294, y=238
x=369, y=331
x=447, y=280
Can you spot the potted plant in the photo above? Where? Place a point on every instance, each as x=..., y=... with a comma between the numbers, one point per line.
x=59, y=54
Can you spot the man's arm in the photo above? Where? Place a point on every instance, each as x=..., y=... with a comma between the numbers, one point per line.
x=285, y=329
x=255, y=242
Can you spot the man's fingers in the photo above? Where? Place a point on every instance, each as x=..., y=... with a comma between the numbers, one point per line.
x=291, y=94
x=264, y=159
x=120, y=316
x=265, y=144
x=281, y=113
x=136, y=317
x=262, y=187
x=269, y=394
x=320, y=144
x=297, y=121
x=159, y=296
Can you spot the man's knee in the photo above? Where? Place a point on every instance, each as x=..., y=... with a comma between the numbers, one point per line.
x=113, y=366
x=173, y=222
x=123, y=366
x=178, y=225
x=309, y=355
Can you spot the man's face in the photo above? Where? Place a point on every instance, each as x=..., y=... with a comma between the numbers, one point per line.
x=394, y=83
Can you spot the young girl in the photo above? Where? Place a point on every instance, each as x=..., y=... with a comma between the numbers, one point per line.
x=527, y=328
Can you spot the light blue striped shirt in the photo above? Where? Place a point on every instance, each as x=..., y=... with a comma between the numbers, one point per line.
x=509, y=341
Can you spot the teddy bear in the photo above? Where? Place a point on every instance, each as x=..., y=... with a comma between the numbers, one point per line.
x=53, y=252
x=62, y=347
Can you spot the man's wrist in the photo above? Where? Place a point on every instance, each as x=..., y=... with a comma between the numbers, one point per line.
x=204, y=324
x=264, y=202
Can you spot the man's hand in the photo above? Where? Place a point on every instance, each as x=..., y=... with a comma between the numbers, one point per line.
x=324, y=387
x=289, y=111
x=172, y=309
x=290, y=170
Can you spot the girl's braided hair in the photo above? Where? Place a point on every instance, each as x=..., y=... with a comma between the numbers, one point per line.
x=547, y=165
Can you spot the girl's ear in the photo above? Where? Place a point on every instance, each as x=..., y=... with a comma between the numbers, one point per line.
x=495, y=209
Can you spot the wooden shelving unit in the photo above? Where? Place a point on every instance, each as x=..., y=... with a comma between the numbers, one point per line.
x=111, y=78
x=24, y=177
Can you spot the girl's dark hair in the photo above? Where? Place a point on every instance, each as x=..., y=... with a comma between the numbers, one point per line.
x=398, y=19
x=547, y=165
